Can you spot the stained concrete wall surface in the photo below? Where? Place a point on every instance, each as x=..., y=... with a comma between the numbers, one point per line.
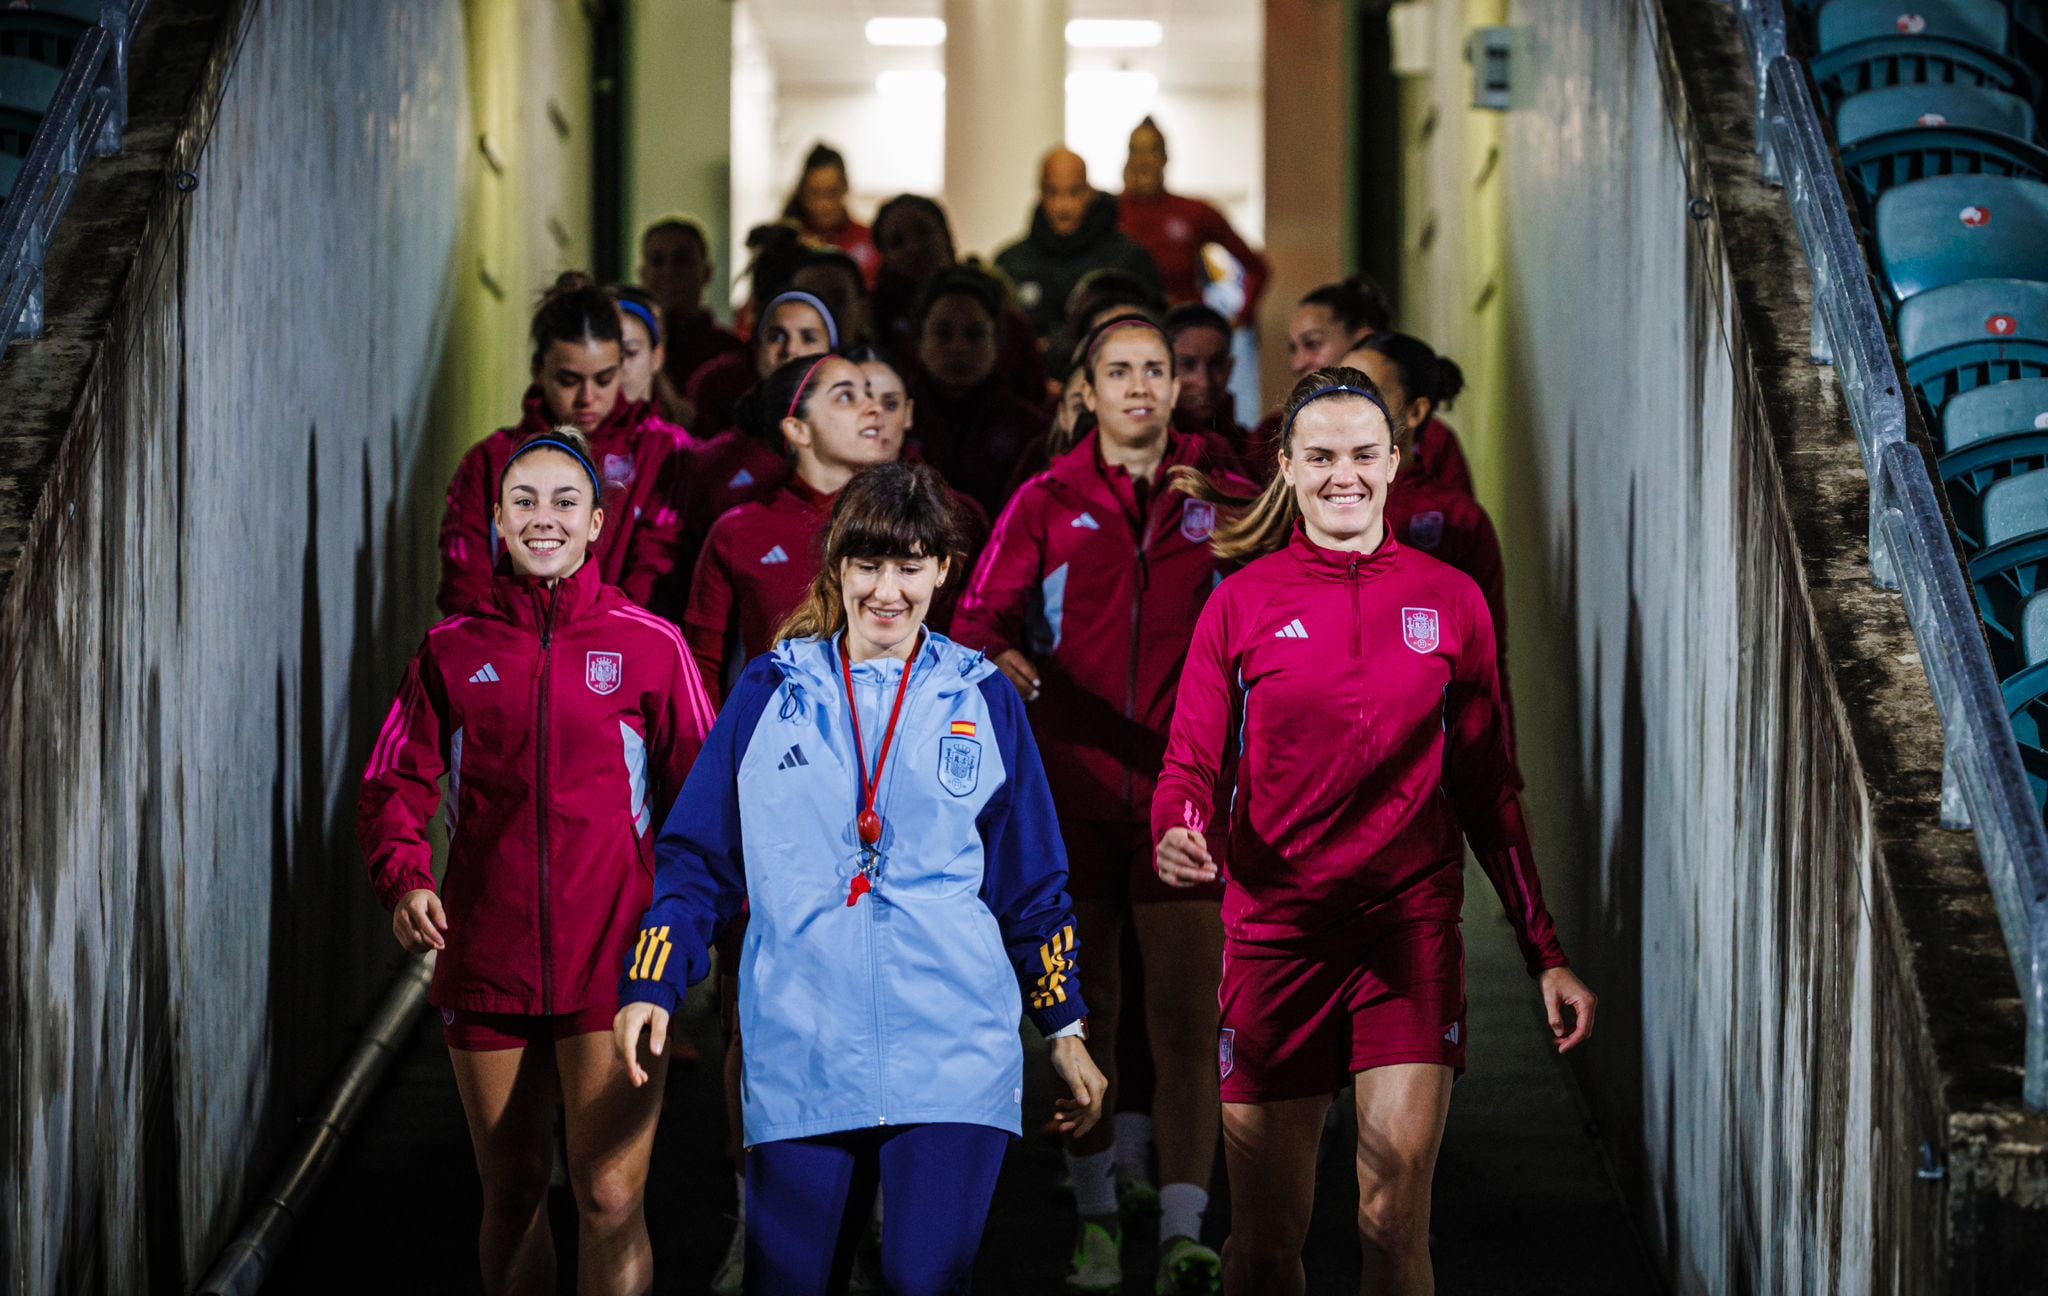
x=230, y=565
x=1762, y=1072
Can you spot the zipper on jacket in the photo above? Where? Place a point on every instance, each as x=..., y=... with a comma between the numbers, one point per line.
x=1356, y=628
x=547, y=925
x=874, y=967
x=1144, y=569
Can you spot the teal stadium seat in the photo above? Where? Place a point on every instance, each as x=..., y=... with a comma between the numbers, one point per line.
x=2012, y=566
x=26, y=88
x=2026, y=695
x=1879, y=163
x=47, y=33
x=1915, y=60
x=1947, y=229
x=1964, y=336
x=1978, y=22
x=1987, y=435
x=1897, y=108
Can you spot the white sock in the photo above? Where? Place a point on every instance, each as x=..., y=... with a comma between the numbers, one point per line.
x=1180, y=1211
x=740, y=1181
x=1134, y=1144
x=1094, y=1178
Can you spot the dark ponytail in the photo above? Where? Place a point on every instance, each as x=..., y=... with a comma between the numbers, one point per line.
x=786, y=393
x=1425, y=375
x=1359, y=304
x=574, y=310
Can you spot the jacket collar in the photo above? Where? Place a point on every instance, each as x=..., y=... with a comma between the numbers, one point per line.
x=810, y=668
x=1338, y=564
x=1085, y=468
x=528, y=602
x=626, y=415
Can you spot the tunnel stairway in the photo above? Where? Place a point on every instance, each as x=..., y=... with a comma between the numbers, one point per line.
x=1524, y=1206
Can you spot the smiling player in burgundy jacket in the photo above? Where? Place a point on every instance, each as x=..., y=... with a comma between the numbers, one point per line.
x=1339, y=724
x=1086, y=598
x=564, y=719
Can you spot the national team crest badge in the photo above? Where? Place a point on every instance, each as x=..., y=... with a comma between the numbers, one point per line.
x=618, y=471
x=1419, y=629
x=604, y=672
x=1226, y=1052
x=1426, y=530
x=1197, y=520
x=959, y=765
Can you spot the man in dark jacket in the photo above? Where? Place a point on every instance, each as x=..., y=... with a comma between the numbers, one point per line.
x=1073, y=231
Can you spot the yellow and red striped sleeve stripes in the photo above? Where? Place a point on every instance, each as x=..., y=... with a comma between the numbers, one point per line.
x=650, y=955
x=1057, y=957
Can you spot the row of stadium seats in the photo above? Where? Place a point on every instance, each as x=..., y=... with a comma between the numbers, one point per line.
x=1935, y=107
x=35, y=46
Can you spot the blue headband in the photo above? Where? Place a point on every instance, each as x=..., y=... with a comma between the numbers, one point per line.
x=824, y=313
x=1287, y=428
x=549, y=443
x=646, y=317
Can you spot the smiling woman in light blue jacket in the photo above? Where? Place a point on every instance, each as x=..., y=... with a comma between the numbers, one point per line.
x=872, y=790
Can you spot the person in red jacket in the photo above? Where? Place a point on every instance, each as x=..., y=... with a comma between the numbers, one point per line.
x=1422, y=511
x=577, y=365
x=970, y=426
x=1328, y=321
x=1086, y=598
x=643, y=354
x=676, y=266
x=1429, y=383
x=1175, y=229
x=1203, y=363
x=838, y=416
x=916, y=242
x=1338, y=725
x=564, y=720
x=818, y=206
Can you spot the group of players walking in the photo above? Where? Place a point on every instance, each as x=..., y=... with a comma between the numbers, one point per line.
x=930, y=700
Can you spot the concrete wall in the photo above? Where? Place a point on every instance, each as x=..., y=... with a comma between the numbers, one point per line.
x=228, y=565
x=1732, y=755
x=679, y=87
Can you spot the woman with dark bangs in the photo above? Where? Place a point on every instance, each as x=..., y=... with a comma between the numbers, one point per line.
x=872, y=792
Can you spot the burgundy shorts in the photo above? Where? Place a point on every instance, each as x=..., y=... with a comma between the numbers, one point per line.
x=1298, y=1025
x=482, y=1032
x=1113, y=861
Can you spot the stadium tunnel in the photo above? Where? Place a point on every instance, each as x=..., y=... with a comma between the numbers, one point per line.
x=1779, y=639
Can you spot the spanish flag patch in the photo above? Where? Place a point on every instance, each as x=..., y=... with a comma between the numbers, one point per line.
x=963, y=728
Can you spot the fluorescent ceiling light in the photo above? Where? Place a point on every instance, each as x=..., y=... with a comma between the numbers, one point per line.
x=920, y=32
x=1114, y=33
x=905, y=84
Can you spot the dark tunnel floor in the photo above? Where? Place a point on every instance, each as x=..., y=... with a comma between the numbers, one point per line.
x=1523, y=1202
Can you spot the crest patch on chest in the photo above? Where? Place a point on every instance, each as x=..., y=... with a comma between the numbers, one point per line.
x=1197, y=520
x=604, y=672
x=1419, y=629
x=959, y=764
x=1426, y=530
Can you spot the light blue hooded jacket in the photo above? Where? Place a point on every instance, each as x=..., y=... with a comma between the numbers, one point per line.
x=901, y=1009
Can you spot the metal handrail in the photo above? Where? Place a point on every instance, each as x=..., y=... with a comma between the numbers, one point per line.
x=1984, y=785
x=85, y=118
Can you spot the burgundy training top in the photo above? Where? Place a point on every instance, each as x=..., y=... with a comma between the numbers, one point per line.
x=1358, y=696
x=1099, y=583
x=564, y=720
x=631, y=451
x=1174, y=230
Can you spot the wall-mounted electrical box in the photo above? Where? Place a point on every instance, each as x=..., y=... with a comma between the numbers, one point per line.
x=1498, y=55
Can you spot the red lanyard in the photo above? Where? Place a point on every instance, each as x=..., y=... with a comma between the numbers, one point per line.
x=869, y=822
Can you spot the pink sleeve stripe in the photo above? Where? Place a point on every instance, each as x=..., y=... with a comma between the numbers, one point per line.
x=693, y=684
x=396, y=727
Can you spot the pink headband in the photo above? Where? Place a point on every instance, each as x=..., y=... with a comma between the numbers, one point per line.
x=809, y=373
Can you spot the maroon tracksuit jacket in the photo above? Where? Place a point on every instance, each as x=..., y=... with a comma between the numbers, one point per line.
x=631, y=450
x=759, y=562
x=564, y=720
x=1174, y=229
x=1100, y=585
x=1358, y=697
